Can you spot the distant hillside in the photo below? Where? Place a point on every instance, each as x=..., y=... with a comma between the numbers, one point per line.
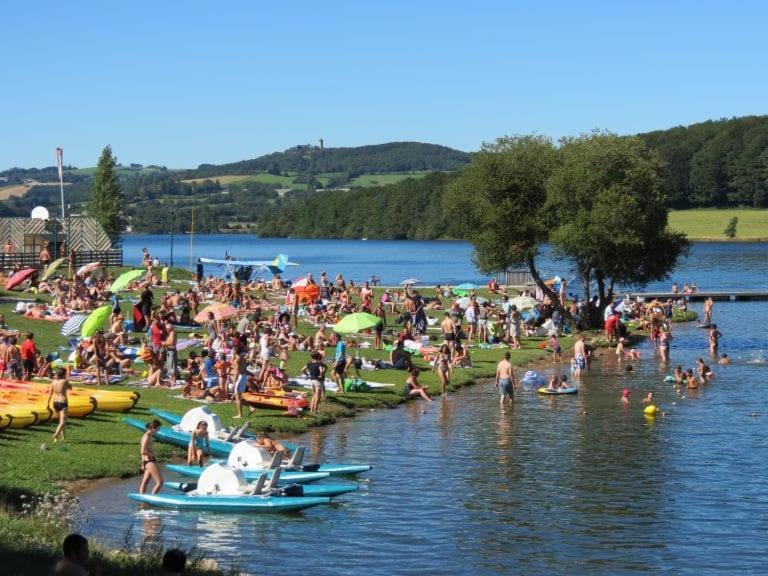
x=303, y=190
x=352, y=162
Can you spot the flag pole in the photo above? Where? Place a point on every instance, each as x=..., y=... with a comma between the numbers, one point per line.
x=60, y=165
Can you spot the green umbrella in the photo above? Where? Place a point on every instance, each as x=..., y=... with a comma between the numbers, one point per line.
x=95, y=320
x=124, y=279
x=52, y=267
x=356, y=322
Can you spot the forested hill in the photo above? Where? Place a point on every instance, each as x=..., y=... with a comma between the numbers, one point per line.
x=410, y=209
x=715, y=163
x=375, y=159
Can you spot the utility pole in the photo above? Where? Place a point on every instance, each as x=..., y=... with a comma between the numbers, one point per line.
x=172, y=214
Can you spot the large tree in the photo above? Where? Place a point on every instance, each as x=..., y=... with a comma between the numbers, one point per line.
x=499, y=204
x=609, y=214
x=106, y=202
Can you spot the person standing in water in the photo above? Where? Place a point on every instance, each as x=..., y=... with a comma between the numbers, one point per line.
x=148, y=459
x=708, y=305
x=714, y=339
x=505, y=381
x=579, y=356
x=59, y=388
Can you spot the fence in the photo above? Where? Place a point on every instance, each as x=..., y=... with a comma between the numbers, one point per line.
x=517, y=278
x=32, y=260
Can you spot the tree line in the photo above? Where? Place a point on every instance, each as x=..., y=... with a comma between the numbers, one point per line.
x=408, y=210
x=716, y=163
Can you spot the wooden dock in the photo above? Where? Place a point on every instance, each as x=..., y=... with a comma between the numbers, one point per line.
x=720, y=296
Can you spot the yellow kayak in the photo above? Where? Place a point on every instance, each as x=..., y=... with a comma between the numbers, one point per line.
x=106, y=400
x=79, y=406
x=23, y=416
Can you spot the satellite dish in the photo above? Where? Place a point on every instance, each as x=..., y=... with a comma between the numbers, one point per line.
x=40, y=213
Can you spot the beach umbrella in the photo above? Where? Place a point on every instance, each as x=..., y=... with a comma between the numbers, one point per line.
x=124, y=279
x=221, y=311
x=464, y=302
x=523, y=302
x=19, y=277
x=96, y=320
x=467, y=286
x=410, y=281
x=86, y=269
x=72, y=326
x=52, y=267
x=306, y=293
x=356, y=322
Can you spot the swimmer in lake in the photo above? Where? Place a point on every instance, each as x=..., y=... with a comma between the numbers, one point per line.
x=625, y=393
x=724, y=360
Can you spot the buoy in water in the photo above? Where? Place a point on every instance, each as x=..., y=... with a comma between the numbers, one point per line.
x=650, y=410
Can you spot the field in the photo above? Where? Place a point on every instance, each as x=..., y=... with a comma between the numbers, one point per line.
x=261, y=178
x=7, y=192
x=382, y=179
x=120, y=171
x=286, y=181
x=16, y=190
x=710, y=223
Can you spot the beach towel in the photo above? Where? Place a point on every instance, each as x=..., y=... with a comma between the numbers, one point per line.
x=187, y=343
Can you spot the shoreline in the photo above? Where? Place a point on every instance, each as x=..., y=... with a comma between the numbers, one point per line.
x=80, y=486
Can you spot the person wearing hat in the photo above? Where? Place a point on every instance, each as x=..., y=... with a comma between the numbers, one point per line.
x=625, y=396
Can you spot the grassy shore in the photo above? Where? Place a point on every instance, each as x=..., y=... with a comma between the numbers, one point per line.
x=708, y=224
x=100, y=446
x=30, y=546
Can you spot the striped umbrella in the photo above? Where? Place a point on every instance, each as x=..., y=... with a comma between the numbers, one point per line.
x=72, y=326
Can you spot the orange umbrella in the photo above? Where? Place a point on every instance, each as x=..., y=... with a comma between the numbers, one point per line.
x=308, y=294
x=221, y=311
x=19, y=277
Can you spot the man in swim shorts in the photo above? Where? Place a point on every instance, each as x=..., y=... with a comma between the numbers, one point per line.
x=579, y=356
x=448, y=326
x=505, y=381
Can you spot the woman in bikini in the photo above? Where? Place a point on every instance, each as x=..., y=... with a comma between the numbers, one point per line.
x=59, y=388
x=443, y=367
x=413, y=388
x=149, y=461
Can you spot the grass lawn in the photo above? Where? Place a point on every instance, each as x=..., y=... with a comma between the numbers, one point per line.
x=382, y=179
x=710, y=223
x=101, y=446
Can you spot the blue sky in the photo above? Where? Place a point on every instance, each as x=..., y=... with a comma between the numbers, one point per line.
x=180, y=83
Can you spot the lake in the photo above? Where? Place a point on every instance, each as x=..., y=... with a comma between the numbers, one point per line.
x=565, y=485
x=721, y=265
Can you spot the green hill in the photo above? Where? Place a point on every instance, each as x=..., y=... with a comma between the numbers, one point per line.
x=344, y=162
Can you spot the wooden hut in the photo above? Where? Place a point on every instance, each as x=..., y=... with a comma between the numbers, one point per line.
x=27, y=236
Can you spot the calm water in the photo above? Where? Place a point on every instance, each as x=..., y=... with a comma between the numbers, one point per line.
x=710, y=265
x=569, y=485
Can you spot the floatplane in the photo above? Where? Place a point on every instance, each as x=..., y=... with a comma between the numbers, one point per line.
x=242, y=269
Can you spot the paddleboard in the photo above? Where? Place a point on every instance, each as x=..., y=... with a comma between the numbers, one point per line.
x=229, y=503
